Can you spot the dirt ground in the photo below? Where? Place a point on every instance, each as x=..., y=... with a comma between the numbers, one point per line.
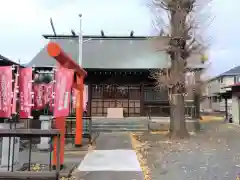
x=211, y=154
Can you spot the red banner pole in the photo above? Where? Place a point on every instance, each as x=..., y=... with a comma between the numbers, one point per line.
x=60, y=124
x=79, y=112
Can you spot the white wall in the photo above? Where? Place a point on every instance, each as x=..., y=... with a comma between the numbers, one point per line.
x=235, y=109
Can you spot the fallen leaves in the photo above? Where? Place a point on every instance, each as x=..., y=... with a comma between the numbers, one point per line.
x=141, y=151
x=211, y=153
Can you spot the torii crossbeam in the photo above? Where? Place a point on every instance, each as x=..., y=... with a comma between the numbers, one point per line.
x=64, y=60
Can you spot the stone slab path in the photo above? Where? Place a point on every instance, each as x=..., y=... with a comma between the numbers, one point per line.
x=113, y=159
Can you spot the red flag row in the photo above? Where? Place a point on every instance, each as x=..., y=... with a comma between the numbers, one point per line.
x=34, y=96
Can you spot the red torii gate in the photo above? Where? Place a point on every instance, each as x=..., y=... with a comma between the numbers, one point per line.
x=55, y=51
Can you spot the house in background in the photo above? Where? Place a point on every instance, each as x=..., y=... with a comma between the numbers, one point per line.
x=212, y=100
x=6, y=62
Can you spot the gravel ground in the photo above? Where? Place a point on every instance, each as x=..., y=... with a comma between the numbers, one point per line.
x=211, y=154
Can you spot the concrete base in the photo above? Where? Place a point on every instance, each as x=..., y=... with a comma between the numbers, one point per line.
x=45, y=124
x=162, y=124
x=9, y=156
x=110, y=160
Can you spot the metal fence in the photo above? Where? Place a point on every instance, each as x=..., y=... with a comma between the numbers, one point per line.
x=164, y=111
x=15, y=170
x=70, y=128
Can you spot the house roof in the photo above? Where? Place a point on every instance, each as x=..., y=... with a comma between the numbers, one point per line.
x=111, y=53
x=47, y=36
x=232, y=72
x=5, y=61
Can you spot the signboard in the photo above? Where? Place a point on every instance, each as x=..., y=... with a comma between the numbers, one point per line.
x=25, y=91
x=64, y=80
x=5, y=91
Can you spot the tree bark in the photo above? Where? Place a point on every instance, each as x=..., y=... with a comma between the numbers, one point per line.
x=177, y=115
x=178, y=129
x=177, y=72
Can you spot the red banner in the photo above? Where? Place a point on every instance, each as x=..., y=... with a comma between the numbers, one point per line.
x=74, y=98
x=25, y=91
x=15, y=91
x=48, y=94
x=64, y=80
x=38, y=90
x=5, y=91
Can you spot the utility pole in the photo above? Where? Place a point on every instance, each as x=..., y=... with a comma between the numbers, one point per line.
x=79, y=100
x=80, y=41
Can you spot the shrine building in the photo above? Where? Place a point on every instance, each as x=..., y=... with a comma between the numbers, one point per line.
x=118, y=70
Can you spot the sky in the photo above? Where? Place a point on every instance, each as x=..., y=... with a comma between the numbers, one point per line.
x=22, y=24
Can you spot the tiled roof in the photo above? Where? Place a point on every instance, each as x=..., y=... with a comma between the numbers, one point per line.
x=6, y=61
x=233, y=71
x=112, y=53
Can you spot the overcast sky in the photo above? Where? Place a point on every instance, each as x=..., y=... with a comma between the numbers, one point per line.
x=22, y=22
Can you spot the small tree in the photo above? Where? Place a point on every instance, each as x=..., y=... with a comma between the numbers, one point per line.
x=182, y=40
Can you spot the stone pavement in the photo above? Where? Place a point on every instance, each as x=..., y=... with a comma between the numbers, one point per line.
x=113, y=159
x=213, y=153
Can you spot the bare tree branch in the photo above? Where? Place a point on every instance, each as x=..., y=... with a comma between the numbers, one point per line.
x=183, y=38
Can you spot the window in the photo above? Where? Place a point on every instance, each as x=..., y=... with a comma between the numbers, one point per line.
x=190, y=78
x=236, y=79
x=150, y=94
x=221, y=80
x=219, y=99
x=214, y=99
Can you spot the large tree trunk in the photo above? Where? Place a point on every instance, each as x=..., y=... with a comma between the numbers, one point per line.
x=177, y=121
x=177, y=115
x=177, y=72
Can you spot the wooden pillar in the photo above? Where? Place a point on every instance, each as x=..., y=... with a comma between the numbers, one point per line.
x=142, y=100
x=128, y=100
x=197, y=105
x=196, y=94
x=79, y=112
x=102, y=98
x=59, y=124
x=226, y=107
